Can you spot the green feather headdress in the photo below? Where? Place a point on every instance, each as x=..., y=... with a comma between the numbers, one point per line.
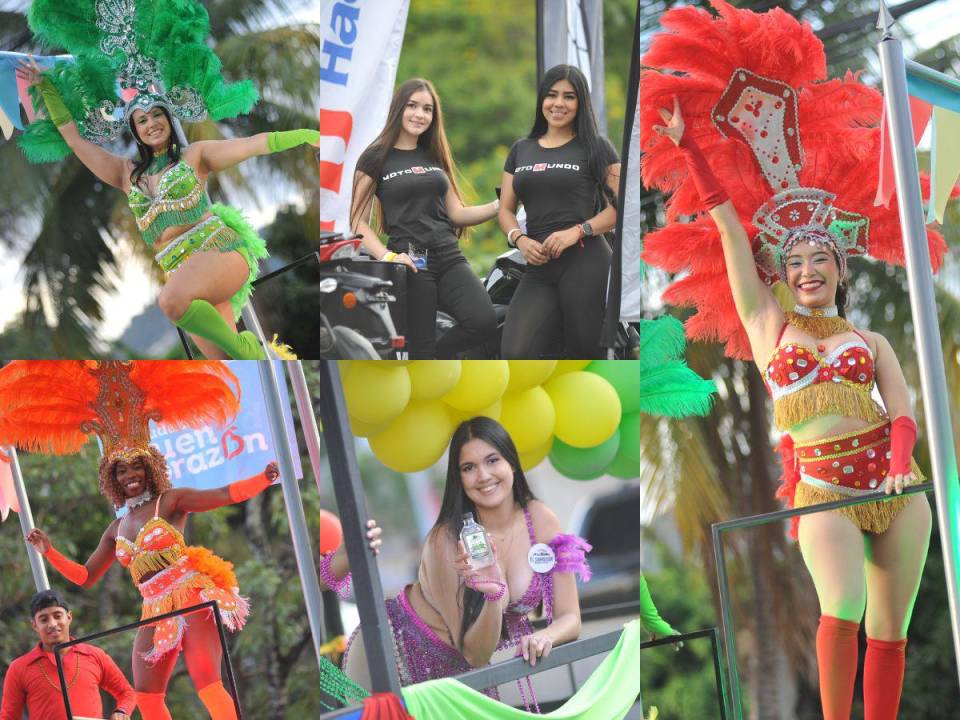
x=156, y=49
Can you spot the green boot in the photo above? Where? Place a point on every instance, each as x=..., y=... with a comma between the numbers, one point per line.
x=203, y=320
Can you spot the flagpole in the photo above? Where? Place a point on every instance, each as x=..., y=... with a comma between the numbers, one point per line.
x=302, y=547
x=26, y=523
x=924, y=310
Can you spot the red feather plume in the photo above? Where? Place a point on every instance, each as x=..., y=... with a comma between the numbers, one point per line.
x=839, y=123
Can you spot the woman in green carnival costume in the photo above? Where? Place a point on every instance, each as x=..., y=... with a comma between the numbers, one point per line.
x=209, y=252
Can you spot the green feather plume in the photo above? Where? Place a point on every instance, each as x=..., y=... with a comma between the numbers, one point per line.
x=668, y=388
x=41, y=142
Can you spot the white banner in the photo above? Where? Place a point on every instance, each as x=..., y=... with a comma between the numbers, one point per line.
x=631, y=244
x=358, y=68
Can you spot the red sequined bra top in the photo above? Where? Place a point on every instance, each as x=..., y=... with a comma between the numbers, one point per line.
x=807, y=382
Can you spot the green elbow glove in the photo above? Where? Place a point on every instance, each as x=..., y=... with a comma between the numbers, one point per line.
x=51, y=98
x=649, y=616
x=280, y=141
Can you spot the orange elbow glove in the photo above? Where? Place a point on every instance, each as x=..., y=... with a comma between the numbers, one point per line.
x=243, y=490
x=74, y=572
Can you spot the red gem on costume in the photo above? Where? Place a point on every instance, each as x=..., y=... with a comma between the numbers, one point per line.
x=775, y=160
x=735, y=119
x=821, y=348
x=784, y=184
x=871, y=467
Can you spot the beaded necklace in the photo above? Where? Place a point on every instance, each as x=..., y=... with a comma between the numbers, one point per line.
x=158, y=163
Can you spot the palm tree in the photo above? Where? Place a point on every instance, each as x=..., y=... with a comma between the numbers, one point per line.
x=70, y=229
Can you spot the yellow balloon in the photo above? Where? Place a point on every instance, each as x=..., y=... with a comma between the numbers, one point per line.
x=416, y=439
x=376, y=391
x=530, y=460
x=528, y=373
x=432, y=379
x=362, y=429
x=588, y=408
x=458, y=416
x=481, y=383
x=529, y=417
x=566, y=366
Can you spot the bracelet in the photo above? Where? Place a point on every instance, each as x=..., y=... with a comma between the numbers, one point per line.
x=510, y=239
x=342, y=586
x=470, y=582
x=388, y=256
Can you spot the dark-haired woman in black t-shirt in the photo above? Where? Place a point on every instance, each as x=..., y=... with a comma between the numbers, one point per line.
x=566, y=176
x=409, y=169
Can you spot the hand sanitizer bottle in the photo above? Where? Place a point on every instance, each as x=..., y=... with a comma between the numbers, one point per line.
x=476, y=542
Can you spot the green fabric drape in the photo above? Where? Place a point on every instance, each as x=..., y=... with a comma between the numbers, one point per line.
x=608, y=693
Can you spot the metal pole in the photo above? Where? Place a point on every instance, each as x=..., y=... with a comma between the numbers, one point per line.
x=252, y=323
x=924, y=311
x=302, y=547
x=931, y=75
x=726, y=623
x=308, y=419
x=351, y=501
x=26, y=523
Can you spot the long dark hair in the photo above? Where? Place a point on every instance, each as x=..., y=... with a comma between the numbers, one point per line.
x=584, y=124
x=433, y=140
x=455, y=501
x=145, y=154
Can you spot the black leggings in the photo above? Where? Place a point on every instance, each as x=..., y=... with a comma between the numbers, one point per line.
x=563, y=295
x=447, y=283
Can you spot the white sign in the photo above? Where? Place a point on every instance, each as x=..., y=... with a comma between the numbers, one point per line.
x=358, y=68
x=541, y=558
x=631, y=243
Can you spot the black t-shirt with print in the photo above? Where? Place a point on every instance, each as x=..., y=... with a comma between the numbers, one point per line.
x=554, y=184
x=411, y=189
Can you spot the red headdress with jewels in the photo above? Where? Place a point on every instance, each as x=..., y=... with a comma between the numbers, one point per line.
x=798, y=154
x=53, y=406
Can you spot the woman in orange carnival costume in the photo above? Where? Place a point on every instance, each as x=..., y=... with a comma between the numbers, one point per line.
x=751, y=85
x=52, y=406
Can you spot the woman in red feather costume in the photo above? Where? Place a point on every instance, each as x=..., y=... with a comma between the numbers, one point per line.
x=799, y=155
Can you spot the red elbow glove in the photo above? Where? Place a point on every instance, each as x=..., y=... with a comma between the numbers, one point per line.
x=711, y=194
x=243, y=490
x=903, y=436
x=74, y=572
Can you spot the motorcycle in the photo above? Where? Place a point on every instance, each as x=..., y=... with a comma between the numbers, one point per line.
x=336, y=303
x=501, y=283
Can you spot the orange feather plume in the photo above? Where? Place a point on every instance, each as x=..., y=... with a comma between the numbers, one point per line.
x=49, y=406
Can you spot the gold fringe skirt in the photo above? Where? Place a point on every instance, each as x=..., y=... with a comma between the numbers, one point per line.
x=842, y=466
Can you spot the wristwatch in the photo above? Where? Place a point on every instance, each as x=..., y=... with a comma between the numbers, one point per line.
x=586, y=229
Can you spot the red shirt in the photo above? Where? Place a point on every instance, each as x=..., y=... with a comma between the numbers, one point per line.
x=25, y=685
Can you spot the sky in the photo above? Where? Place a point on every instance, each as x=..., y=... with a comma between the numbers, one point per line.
x=136, y=288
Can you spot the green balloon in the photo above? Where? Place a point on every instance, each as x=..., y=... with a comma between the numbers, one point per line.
x=624, y=376
x=623, y=467
x=630, y=438
x=584, y=463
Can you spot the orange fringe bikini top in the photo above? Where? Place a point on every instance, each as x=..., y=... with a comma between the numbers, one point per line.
x=157, y=546
x=807, y=382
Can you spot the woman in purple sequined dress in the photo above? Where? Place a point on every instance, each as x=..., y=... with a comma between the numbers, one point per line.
x=454, y=617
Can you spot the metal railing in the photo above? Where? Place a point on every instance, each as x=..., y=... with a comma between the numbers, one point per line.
x=726, y=611
x=211, y=605
x=567, y=654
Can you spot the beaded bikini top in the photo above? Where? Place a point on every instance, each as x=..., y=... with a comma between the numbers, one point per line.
x=157, y=546
x=807, y=382
x=570, y=553
x=181, y=199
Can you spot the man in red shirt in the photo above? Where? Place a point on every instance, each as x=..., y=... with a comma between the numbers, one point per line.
x=32, y=682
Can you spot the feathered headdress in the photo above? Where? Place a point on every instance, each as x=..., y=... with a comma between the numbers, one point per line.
x=797, y=153
x=53, y=406
x=158, y=53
